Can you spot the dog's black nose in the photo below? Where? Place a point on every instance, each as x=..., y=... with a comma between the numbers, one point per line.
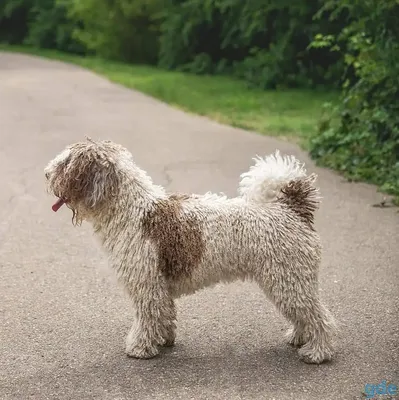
x=47, y=175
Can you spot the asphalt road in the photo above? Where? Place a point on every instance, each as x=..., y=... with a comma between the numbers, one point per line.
x=64, y=317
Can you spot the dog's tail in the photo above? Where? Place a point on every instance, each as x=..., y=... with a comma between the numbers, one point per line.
x=283, y=179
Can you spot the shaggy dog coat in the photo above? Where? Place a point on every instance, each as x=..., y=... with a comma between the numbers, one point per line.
x=165, y=245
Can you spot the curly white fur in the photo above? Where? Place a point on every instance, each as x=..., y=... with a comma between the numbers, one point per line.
x=163, y=246
x=264, y=180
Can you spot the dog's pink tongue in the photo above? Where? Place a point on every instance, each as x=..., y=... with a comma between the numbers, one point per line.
x=58, y=205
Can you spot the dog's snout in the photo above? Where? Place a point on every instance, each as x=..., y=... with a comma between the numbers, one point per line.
x=47, y=175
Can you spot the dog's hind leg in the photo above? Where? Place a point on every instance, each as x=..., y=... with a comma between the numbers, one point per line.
x=319, y=327
x=169, y=334
x=313, y=325
x=296, y=336
x=154, y=321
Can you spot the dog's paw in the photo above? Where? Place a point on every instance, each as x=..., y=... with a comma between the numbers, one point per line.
x=142, y=352
x=311, y=355
x=169, y=342
x=295, y=338
x=169, y=339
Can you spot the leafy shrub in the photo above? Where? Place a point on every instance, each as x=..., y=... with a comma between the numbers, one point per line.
x=14, y=15
x=361, y=137
x=124, y=30
x=49, y=27
x=264, y=42
x=41, y=23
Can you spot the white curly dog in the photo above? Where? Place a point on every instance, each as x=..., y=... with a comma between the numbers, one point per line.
x=163, y=246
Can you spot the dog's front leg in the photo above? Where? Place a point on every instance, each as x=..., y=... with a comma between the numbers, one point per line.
x=154, y=321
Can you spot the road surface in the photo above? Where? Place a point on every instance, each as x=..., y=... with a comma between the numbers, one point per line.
x=63, y=315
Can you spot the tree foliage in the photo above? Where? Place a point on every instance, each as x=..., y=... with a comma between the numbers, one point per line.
x=361, y=137
x=41, y=23
x=264, y=42
x=125, y=30
x=14, y=15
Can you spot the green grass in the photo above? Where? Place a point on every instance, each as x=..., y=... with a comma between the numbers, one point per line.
x=288, y=113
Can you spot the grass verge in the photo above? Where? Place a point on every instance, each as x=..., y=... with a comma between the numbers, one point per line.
x=293, y=114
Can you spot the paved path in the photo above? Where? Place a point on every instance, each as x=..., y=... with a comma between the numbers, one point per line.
x=63, y=316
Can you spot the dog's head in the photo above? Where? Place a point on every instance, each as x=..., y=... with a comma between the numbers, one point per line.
x=85, y=176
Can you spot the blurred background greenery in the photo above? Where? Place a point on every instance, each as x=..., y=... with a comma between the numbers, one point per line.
x=325, y=73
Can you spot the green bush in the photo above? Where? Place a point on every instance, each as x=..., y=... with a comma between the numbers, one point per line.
x=122, y=30
x=14, y=16
x=50, y=28
x=40, y=23
x=361, y=137
x=264, y=42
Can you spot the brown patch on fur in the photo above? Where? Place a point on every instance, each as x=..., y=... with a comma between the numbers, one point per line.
x=178, y=236
x=301, y=196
